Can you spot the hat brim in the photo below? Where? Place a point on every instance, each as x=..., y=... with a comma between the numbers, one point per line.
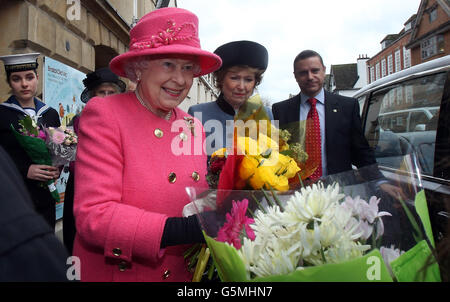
x=208, y=61
x=86, y=94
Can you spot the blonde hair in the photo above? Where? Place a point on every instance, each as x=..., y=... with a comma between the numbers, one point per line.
x=219, y=75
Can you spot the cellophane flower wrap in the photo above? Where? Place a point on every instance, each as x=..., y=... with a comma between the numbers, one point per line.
x=43, y=148
x=62, y=144
x=263, y=219
x=341, y=228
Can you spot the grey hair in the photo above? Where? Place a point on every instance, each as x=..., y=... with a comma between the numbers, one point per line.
x=141, y=63
x=133, y=65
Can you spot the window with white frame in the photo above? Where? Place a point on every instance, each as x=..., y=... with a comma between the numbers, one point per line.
x=377, y=70
x=372, y=74
x=383, y=68
x=432, y=15
x=432, y=46
x=390, y=62
x=406, y=57
x=398, y=66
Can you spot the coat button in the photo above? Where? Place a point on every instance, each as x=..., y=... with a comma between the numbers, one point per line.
x=172, y=177
x=183, y=136
x=195, y=176
x=117, y=252
x=158, y=133
x=166, y=274
x=123, y=265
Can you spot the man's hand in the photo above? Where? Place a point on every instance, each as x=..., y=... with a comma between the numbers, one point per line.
x=43, y=172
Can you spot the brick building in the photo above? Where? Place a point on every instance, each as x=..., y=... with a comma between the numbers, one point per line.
x=430, y=37
x=394, y=56
x=425, y=37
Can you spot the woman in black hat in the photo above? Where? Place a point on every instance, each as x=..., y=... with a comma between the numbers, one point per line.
x=244, y=63
x=99, y=83
x=22, y=78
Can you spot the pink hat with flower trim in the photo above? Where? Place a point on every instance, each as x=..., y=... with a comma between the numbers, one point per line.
x=163, y=31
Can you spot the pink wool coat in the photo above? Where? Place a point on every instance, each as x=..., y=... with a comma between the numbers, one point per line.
x=123, y=194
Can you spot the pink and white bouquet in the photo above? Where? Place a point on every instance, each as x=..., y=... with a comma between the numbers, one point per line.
x=46, y=146
x=62, y=144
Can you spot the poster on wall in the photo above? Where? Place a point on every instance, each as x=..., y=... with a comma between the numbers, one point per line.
x=62, y=89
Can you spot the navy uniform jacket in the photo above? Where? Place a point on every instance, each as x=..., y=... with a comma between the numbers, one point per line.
x=344, y=138
x=10, y=114
x=214, y=115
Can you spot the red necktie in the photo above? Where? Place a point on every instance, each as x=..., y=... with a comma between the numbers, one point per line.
x=313, y=141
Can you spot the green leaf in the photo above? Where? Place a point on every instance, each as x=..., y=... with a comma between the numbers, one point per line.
x=227, y=261
x=422, y=210
x=417, y=232
x=414, y=265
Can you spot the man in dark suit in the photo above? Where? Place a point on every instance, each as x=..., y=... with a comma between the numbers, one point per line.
x=342, y=140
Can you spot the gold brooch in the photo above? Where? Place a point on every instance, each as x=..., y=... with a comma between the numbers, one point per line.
x=190, y=124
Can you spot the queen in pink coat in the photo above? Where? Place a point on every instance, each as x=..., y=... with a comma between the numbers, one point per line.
x=137, y=153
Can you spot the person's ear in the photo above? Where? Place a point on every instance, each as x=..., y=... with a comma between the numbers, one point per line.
x=138, y=76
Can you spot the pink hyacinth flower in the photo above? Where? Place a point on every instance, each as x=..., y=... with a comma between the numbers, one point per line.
x=58, y=137
x=237, y=223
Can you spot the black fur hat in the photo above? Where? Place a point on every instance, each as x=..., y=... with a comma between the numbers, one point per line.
x=243, y=53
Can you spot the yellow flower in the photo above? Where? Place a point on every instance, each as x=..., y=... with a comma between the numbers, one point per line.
x=265, y=143
x=265, y=177
x=289, y=166
x=247, y=146
x=220, y=153
x=273, y=171
x=248, y=167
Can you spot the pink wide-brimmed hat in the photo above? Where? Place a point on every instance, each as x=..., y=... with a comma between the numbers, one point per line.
x=165, y=31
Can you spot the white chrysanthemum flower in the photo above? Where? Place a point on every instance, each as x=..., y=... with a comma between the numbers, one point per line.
x=276, y=259
x=347, y=222
x=312, y=202
x=314, y=228
x=346, y=250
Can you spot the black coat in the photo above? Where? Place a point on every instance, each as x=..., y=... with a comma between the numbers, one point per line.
x=29, y=249
x=10, y=114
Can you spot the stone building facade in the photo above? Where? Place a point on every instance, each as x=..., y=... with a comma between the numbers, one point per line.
x=84, y=34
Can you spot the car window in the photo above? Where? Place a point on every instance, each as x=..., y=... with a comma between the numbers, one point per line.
x=361, y=101
x=403, y=118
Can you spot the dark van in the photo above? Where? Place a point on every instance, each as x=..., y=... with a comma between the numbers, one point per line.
x=409, y=113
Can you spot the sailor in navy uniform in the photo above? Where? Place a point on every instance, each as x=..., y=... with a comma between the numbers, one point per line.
x=22, y=77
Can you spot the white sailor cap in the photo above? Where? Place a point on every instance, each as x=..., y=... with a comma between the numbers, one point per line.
x=20, y=62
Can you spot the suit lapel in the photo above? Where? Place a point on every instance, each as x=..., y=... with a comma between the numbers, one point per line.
x=294, y=109
x=332, y=114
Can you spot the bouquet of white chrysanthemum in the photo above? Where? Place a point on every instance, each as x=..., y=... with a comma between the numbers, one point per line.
x=322, y=232
x=314, y=227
